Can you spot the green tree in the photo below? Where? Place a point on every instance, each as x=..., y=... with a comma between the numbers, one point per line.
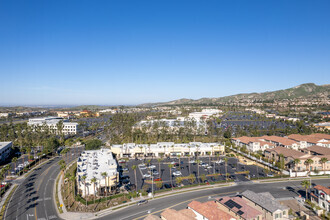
x=203, y=178
x=178, y=180
x=191, y=178
x=93, y=144
x=159, y=184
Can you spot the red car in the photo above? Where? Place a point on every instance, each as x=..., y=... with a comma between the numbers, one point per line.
x=158, y=179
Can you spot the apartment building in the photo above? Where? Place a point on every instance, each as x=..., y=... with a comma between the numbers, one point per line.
x=239, y=208
x=314, y=154
x=266, y=204
x=5, y=150
x=321, y=196
x=52, y=123
x=167, y=149
x=93, y=164
x=253, y=144
x=208, y=210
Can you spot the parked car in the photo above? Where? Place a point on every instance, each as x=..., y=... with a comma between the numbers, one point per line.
x=146, y=175
x=158, y=179
x=167, y=186
x=218, y=162
x=125, y=169
x=177, y=173
x=141, y=202
x=270, y=175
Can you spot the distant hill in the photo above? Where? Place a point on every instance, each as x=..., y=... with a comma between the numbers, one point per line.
x=307, y=91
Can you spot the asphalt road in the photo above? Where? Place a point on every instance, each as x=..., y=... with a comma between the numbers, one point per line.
x=180, y=201
x=34, y=199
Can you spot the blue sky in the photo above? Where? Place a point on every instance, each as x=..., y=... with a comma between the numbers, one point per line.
x=131, y=52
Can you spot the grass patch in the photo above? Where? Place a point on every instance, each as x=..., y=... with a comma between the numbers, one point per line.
x=3, y=208
x=56, y=196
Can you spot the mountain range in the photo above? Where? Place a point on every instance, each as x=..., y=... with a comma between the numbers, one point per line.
x=307, y=91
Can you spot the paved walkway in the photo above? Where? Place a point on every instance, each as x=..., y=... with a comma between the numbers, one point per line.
x=3, y=199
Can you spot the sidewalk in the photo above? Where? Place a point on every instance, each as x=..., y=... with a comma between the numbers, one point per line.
x=6, y=195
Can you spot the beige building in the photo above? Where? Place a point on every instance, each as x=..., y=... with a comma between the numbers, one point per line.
x=167, y=149
x=93, y=164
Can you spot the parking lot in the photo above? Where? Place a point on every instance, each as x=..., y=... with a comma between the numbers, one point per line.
x=210, y=167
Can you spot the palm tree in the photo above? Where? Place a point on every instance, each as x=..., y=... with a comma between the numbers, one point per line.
x=209, y=154
x=104, y=175
x=134, y=168
x=308, y=162
x=226, y=161
x=84, y=179
x=171, y=166
x=306, y=184
x=159, y=160
x=14, y=160
x=323, y=161
x=189, y=163
x=141, y=149
x=73, y=179
x=198, y=161
x=93, y=180
x=296, y=162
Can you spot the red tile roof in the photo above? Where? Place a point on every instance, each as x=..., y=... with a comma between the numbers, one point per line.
x=248, y=211
x=280, y=140
x=171, y=214
x=318, y=149
x=323, y=188
x=210, y=210
x=286, y=152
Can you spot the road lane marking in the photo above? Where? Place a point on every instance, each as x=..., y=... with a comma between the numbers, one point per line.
x=43, y=176
x=137, y=213
x=141, y=217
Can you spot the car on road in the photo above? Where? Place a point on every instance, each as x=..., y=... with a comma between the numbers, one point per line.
x=270, y=175
x=158, y=179
x=141, y=202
